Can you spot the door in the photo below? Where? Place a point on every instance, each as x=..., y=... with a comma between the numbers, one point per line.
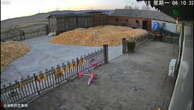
x=145, y=24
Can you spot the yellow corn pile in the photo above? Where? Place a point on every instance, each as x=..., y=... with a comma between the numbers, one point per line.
x=12, y=50
x=97, y=36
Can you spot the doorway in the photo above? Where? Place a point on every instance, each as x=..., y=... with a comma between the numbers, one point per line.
x=145, y=24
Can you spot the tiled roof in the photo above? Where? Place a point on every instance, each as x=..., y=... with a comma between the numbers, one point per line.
x=135, y=13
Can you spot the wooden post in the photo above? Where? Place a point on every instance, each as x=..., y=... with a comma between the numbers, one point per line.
x=47, y=29
x=124, y=45
x=24, y=35
x=77, y=64
x=105, y=48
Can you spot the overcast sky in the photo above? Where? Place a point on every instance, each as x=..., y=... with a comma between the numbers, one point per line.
x=17, y=8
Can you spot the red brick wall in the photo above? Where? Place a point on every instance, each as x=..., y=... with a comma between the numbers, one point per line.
x=127, y=21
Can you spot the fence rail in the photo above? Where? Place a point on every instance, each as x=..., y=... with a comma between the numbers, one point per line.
x=25, y=89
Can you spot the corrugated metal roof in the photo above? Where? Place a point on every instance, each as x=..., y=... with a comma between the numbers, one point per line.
x=135, y=13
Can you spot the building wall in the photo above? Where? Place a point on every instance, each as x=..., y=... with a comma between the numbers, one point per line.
x=99, y=19
x=131, y=22
x=52, y=24
x=65, y=23
x=84, y=21
x=172, y=27
x=19, y=35
x=182, y=97
x=61, y=23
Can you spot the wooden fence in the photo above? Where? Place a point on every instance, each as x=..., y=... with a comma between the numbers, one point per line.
x=18, y=35
x=32, y=86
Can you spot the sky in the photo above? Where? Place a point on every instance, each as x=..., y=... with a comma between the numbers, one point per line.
x=18, y=8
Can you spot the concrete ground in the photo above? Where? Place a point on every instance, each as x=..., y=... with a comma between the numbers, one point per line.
x=45, y=54
x=137, y=81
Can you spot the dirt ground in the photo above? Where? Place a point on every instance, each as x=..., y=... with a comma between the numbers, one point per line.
x=137, y=81
x=12, y=50
x=98, y=36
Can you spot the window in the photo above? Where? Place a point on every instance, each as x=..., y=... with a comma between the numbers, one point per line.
x=116, y=19
x=145, y=24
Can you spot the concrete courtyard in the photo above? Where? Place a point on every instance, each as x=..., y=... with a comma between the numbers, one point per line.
x=45, y=54
x=137, y=81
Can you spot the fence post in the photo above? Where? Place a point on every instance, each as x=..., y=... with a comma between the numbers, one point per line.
x=77, y=62
x=124, y=45
x=36, y=85
x=57, y=76
x=47, y=29
x=105, y=50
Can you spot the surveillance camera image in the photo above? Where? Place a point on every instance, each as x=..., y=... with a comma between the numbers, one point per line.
x=96, y=55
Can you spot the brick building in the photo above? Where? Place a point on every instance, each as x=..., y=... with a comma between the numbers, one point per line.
x=63, y=22
x=137, y=18
x=124, y=17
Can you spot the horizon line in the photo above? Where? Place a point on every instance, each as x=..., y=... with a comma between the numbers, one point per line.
x=44, y=12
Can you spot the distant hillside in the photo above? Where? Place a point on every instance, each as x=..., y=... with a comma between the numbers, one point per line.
x=37, y=19
x=40, y=18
